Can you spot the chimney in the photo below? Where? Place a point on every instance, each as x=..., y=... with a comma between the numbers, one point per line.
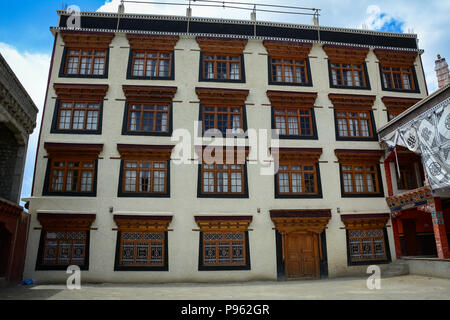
x=442, y=73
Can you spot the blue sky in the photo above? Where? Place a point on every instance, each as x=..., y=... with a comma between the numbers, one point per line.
x=26, y=42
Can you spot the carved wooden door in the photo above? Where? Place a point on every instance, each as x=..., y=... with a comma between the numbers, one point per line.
x=302, y=255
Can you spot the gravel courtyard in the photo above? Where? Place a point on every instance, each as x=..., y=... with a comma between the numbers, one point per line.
x=408, y=287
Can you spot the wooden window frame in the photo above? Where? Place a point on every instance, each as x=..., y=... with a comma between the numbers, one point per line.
x=59, y=107
x=155, y=112
x=362, y=68
x=142, y=225
x=202, y=72
x=291, y=100
x=229, y=113
x=360, y=158
x=151, y=96
x=290, y=194
x=66, y=168
x=132, y=59
x=306, y=66
x=311, y=117
x=64, y=223
x=228, y=194
x=122, y=183
x=357, y=104
x=64, y=152
x=223, y=225
x=364, y=223
x=65, y=62
x=120, y=266
x=144, y=153
x=406, y=168
x=367, y=261
x=391, y=73
x=371, y=124
x=364, y=173
x=78, y=93
x=41, y=265
x=229, y=98
x=229, y=265
x=397, y=59
x=49, y=176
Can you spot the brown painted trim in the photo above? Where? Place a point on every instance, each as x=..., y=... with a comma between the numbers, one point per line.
x=149, y=93
x=152, y=42
x=145, y=146
x=287, y=49
x=64, y=146
x=365, y=216
x=284, y=149
x=291, y=98
x=301, y=213
x=46, y=215
x=207, y=218
x=221, y=45
x=360, y=151
x=78, y=39
x=134, y=217
x=388, y=57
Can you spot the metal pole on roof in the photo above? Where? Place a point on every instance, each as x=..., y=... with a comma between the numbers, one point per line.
x=253, y=18
x=188, y=14
x=120, y=10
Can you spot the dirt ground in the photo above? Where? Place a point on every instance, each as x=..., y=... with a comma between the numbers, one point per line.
x=410, y=287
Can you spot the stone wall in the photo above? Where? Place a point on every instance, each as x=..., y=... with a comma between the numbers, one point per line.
x=8, y=159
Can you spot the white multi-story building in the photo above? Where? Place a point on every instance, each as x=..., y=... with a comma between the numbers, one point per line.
x=110, y=196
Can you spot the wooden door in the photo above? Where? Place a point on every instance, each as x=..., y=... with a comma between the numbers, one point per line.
x=302, y=255
x=409, y=230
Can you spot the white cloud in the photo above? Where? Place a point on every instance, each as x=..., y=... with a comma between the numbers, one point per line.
x=32, y=71
x=429, y=19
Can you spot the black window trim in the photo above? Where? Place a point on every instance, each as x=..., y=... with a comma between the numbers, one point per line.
x=126, y=132
x=62, y=70
x=202, y=267
x=40, y=266
x=118, y=267
x=374, y=129
x=130, y=75
x=366, y=75
x=380, y=194
x=122, y=194
x=200, y=193
x=275, y=83
x=201, y=132
x=55, y=130
x=200, y=72
x=414, y=75
x=47, y=192
x=315, y=135
x=319, y=194
x=369, y=262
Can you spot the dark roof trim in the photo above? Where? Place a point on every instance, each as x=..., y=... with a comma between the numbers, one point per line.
x=240, y=28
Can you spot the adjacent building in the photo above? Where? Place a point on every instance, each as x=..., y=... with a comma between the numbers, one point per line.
x=111, y=196
x=418, y=176
x=17, y=121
